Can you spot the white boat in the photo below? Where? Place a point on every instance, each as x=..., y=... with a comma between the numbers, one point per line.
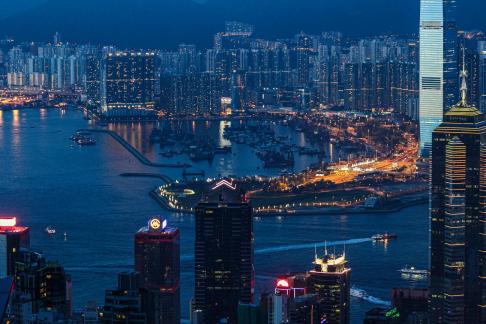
x=412, y=271
x=50, y=230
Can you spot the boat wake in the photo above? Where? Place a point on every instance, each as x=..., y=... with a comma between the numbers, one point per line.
x=294, y=247
x=362, y=294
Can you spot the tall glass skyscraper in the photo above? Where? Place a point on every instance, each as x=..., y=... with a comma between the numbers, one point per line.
x=438, y=65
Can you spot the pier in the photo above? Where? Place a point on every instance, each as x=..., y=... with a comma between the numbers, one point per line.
x=139, y=156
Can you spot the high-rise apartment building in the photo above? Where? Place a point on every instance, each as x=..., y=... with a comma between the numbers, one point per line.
x=128, y=83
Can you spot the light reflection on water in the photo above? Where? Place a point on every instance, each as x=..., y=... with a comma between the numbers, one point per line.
x=78, y=190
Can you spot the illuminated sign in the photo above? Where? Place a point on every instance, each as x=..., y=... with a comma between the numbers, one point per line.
x=8, y=221
x=155, y=224
x=282, y=283
x=225, y=183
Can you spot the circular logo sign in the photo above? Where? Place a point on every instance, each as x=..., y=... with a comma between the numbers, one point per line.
x=155, y=224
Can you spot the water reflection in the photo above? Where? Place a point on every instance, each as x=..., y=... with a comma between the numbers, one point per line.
x=241, y=162
x=15, y=118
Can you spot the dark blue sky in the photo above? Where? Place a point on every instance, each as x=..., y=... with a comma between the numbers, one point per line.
x=165, y=23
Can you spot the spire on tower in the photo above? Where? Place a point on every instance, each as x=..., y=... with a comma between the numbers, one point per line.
x=463, y=79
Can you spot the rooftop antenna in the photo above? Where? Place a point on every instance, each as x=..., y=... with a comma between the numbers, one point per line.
x=344, y=252
x=325, y=247
x=463, y=79
x=315, y=252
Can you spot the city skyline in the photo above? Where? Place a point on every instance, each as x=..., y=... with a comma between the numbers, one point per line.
x=286, y=172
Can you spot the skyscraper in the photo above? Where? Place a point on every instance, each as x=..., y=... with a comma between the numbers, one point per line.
x=223, y=254
x=157, y=260
x=128, y=83
x=329, y=280
x=304, y=51
x=457, y=281
x=12, y=238
x=438, y=65
x=93, y=79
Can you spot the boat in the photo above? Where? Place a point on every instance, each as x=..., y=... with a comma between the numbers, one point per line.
x=50, y=230
x=85, y=141
x=412, y=271
x=384, y=237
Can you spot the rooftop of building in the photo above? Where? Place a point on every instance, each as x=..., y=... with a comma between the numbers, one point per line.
x=330, y=263
x=158, y=226
x=224, y=191
x=9, y=225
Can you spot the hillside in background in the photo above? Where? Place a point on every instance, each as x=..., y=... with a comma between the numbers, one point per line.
x=166, y=23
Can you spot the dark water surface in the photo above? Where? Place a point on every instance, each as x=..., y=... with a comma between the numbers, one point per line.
x=45, y=180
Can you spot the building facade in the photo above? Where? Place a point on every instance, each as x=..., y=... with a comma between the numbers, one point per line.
x=224, y=254
x=157, y=261
x=458, y=175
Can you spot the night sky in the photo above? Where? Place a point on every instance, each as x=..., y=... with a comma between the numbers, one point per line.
x=166, y=23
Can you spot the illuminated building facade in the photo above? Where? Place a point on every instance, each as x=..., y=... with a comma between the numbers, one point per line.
x=458, y=253
x=329, y=280
x=223, y=254
x=157, y=260
x=128, y=83
x=93, y=79
x=304, y=50
x=12, y=239
x=438, y=65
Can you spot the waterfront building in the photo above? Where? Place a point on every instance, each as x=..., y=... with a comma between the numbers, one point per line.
x=12, y=239
x=128, y=83
x=329, y=280
x=457, y=215
x=223, y=253
x=157, y=261
x=124, y=304
x=93, y=80
x=438, y=65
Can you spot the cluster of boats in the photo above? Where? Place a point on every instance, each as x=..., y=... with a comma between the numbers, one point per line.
x=82, y=139
x=178, y=143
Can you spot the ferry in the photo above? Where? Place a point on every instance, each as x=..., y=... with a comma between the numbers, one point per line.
x=50, y=230
x=412, y=271
x=384, y=237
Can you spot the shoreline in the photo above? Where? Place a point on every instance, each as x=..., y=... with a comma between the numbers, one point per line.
x=299, y=213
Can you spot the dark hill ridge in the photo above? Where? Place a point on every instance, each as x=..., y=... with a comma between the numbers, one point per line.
x=166, y=23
